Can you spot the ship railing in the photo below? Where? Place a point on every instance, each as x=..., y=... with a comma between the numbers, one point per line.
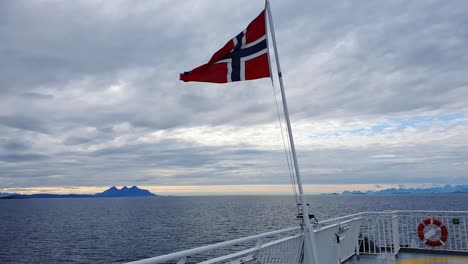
x=379, y=233
x=286, y=247
x=389, y=231
x=454, y=221
x=337, y=239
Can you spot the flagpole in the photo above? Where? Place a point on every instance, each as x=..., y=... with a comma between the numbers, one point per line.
x=309, y=239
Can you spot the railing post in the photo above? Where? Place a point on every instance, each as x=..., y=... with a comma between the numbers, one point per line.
x=182, y=260
x=259, y=244
x=361, y=235
x=357, y=247
x=396, y=234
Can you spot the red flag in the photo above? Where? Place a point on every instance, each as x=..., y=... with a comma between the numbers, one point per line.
x=245, y=57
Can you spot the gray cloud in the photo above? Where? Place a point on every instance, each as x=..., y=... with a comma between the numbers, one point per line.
x=13, y=145
x=23, y=123
x=90, y=93
x=22, y=157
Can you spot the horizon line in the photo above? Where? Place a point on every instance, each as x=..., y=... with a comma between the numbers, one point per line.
x=214, y=190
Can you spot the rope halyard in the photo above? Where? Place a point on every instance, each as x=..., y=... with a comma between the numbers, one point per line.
x=287, y=149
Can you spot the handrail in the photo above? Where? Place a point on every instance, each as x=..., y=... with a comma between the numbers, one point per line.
x=340, y=218
x=392, y=230
x=391, y=235
x=388, y=212
x=194, y=251
x=431, y=211
x=248, y=251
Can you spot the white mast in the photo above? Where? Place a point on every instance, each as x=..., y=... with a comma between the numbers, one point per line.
x=310, y=249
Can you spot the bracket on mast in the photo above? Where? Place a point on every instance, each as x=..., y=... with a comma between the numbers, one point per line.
x=312, y=217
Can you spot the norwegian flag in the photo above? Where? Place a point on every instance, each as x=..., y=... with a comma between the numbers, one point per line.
x=245, y=57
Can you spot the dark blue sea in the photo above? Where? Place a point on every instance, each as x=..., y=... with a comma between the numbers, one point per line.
x=116, y=230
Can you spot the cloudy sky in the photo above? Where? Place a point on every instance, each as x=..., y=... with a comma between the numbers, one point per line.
x=90, y=96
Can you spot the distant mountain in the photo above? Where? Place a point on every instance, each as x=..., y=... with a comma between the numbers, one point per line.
x=352, y=192
x=444, y=189
x=125, y=192
x=6, y=194
x=47, y=195
x=111, y=192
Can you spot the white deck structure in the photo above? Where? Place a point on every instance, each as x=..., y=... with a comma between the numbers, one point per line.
x=368, y=237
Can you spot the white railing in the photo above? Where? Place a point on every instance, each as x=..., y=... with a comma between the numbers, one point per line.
x=389, y=231
x=337, y=242
x=379, y=233
x=337, y=239
x=454, y=221
x=285, y=250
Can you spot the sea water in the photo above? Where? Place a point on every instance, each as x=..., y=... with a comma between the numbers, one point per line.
x=117, y=230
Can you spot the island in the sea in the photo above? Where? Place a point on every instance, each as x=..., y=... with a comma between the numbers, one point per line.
x=111, y=192
x=402, y=190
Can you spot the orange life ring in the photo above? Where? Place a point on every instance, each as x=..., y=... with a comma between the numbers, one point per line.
x=443, y=232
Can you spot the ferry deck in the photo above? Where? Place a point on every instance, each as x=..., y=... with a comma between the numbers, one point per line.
x=389, y=237
x=410, y=258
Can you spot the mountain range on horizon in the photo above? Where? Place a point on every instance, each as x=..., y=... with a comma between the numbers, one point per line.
x=125, y=192
x=433, y=190
x=113, y=191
